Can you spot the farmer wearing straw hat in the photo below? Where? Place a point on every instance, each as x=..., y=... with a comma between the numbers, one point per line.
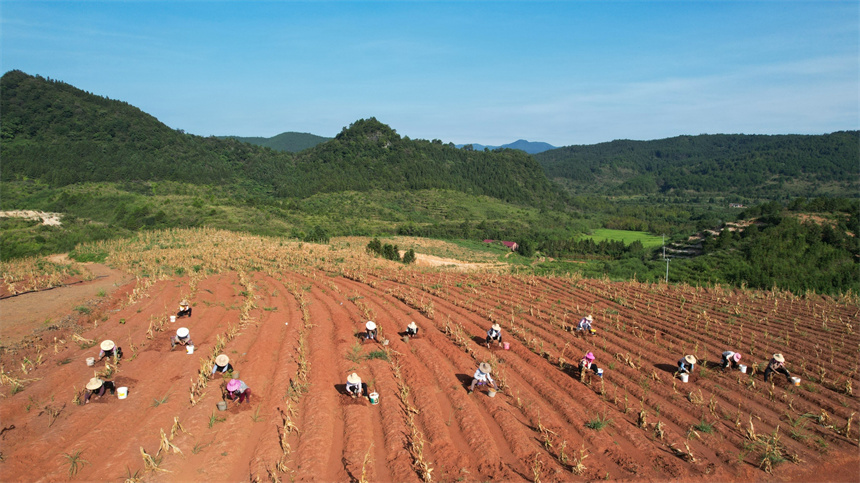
x=587, y=363
x=97, y=387
x=109, y=349
x=184, y=309
x=412, y=329
x=777, y=364
x=370, y=330
x=686, y=364
x=585, y=325
x=482, y=376
x=354, y=386
x=237, y=389
x=183, y=336
x=731, y=358
x=495, y=333
x=222, y=364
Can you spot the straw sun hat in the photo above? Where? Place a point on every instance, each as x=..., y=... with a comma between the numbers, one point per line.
x=736, y=357
x=107, y=345
x=370, y=325
x=497, y=327
x=233, y=384
x=412, y=325
x=690, y=359
x=184, y=303
x=778, y=358
x=589, y=318
x=94, y=384
x=182, y=332
x=222, y=360
x=485, y=368
x=353, y=379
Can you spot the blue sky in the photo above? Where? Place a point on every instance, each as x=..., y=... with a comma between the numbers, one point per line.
x=464, y=72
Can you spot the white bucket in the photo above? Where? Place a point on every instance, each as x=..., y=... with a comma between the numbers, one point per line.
x=172, y=319
x=795, y=381
x=685, y=377
x=91, y=361
x=122, y=392
x=491, y=393
x=190, y=349
x=599, y=372
x=374, y=398
x=742, y=368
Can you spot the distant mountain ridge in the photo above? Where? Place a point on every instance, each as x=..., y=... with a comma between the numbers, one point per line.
x=290, y=141
x=521, y=144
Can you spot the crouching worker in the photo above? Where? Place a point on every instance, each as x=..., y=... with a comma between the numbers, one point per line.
x=237, y=390
x=96, y=387
x=109, y=349
x=222, y=365
x=494, y=334
x=587, y=364
x=777, y=364
x=482, y=377
x=686, y=364
x=370, y=330
x=412, y=329
x=731, y=359
x=182, y=337
x=585, y=325
x=184, y=309
x=354, y=386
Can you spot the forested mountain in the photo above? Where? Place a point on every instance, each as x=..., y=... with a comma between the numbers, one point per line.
x=60, y=134
x=292, y=142
x=754, y=166
x=521, y=144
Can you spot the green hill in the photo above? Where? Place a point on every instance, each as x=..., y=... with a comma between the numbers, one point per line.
x=749, y=166
x=57, y=133
x=292, y=142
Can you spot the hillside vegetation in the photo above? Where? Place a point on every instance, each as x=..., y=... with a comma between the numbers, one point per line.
x=756, y=167
x=292, y=142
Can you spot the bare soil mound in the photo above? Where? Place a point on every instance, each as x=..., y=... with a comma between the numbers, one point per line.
x=293, y=331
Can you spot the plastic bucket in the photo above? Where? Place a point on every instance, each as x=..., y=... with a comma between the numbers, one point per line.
x=795, y=381
x=685, y=377
x=222, y=406
x=172, y=319
x=491, y=393
x=599, y=372
x=91, y=361
x=374, y=398
x=189, y=349
x=406, y=338
x=742, y=368
x=507, y=345
x=122, y=392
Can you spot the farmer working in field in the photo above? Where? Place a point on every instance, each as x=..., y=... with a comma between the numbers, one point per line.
x=222, y=365
x=354, y=386
x=370, y=330
x=482, y=376
x=182, y=337
x=109, y=349
x=587, y=363
x=494, y=334
x=686, y=364
x=585, y=325
x=237, y=390
x=777, y=364
x=412, y=329
x=184, y=309
x=731, y=358
x=97, y=387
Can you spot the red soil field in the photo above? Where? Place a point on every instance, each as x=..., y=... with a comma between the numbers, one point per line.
x=293, y=333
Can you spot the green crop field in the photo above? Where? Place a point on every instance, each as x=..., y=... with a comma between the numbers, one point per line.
x=626, y=236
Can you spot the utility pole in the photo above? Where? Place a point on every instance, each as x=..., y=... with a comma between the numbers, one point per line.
x=664, y=258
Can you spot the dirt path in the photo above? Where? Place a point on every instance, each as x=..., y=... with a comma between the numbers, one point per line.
x=24, y=313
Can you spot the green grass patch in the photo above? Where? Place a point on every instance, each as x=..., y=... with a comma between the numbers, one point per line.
x=626, y=236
